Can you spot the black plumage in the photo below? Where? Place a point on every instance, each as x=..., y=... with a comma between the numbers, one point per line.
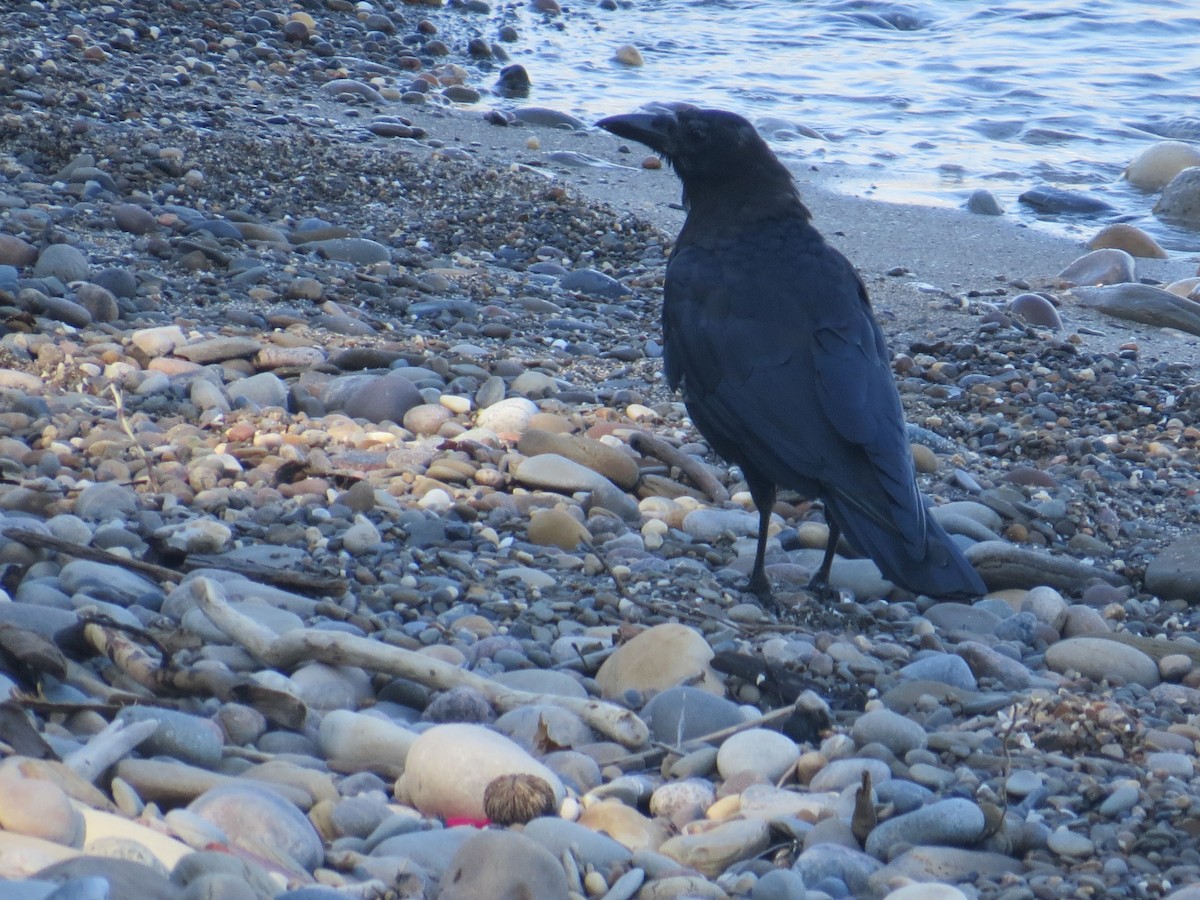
x=769, y=335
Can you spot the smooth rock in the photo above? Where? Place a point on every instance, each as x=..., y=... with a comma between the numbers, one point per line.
x=260, y=821
x=1153, y=168
x=552, y=472
x=62, y=261
x=953, y=822
x=757, y=750
x=618, y=467
x=683, y=713
x=1180, y=200
x=713, y=850
x=365, y=741
x=1107, y=266
x=1143, y=303
x=507, y=416
x=595, y=849
x=1036, y=310
x=449, y=767
x=1174, y=573
x=659, y=658
x=190, y=739
x=842, y=773
x=944, y=667
x=1101, y=659
x=624, y=824
x=39, y=809
x=503, y=865
x=852, y=867
x=898, y=733
x=386, y=398
x=1130, y=238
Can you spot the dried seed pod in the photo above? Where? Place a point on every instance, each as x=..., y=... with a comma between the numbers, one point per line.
x=516, y=799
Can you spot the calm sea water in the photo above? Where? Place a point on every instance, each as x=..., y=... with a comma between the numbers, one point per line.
x=918, y=103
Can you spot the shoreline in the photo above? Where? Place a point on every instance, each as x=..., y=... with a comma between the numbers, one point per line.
x=947, y=252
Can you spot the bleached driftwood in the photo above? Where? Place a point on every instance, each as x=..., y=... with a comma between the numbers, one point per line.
x=108, y=746
x=288, y=650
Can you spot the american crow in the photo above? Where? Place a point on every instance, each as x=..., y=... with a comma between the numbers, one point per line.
x=769, y=335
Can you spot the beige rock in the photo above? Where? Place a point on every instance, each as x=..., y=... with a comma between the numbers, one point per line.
x=556, y=528
x=1185, y=287
x=38, y=809
x=659, y=658
x=624, y=824
x=1130, y=238
x=105, y=827
x=22, y=856
x=354, y=740
x=450, y=766
x=1154, y=167
x=715, y=849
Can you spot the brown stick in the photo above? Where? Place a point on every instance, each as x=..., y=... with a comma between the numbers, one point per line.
x=654, y=446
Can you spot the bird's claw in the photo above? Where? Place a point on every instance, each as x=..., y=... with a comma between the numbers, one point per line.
x=824, y=591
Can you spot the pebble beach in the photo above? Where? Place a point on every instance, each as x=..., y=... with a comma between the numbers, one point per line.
x=352, y=545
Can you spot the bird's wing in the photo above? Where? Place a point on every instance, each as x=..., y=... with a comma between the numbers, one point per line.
x=785, y=372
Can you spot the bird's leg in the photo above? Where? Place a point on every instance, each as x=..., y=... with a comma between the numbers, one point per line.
x=764, y=499
x=819, y=584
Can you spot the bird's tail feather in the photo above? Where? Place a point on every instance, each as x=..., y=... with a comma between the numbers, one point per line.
x=935, y=567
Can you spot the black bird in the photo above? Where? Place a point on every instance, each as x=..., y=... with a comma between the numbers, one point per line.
x=769, y=335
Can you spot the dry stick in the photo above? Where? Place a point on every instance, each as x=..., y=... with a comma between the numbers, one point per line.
x=279, y=707
x=641, y=760
x=692, y=468
x=304, y=581
x=123, y=418
x=288, y=650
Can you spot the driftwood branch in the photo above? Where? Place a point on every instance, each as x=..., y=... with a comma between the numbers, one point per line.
x=305, y=582
x=160, y=678
x=651, y=445
x=288, y=650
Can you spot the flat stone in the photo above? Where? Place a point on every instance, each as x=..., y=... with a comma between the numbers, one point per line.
x=190, y=739
x=1100, y=659
x=219, y=349
x=503, y=864
x=953, y=822
x=552, y=472
x=360, y=251
x=683, y=713
x=713, y=850
x=842, y=773
x=595, y=849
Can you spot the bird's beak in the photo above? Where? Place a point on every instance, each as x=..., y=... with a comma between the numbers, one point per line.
x=652, y=129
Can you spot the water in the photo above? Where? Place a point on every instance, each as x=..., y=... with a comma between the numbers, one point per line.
x=917, y=103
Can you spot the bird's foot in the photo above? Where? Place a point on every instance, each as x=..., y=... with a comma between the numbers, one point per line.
x=824, y=591
x=760, y=587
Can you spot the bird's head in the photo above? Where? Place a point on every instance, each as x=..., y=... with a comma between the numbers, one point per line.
x=712, y=151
